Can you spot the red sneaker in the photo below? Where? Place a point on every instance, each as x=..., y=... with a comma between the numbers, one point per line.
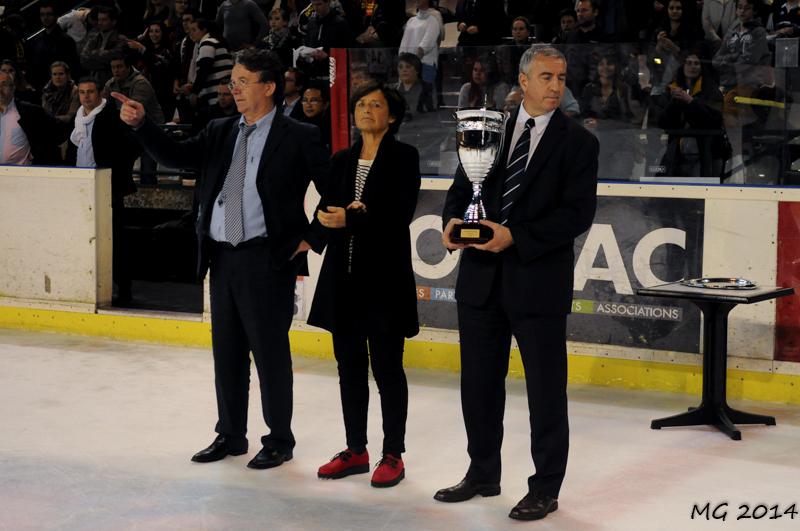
x=388, y=472
x=345, y=463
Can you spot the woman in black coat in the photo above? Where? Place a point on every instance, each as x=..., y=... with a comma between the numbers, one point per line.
x=366, y=293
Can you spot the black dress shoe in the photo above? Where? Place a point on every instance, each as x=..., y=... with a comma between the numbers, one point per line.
x=465, y=490
x=219, y=449
x=533, y=506
x=270, y=458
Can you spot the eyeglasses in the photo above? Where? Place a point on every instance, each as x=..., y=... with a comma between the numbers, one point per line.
x=242, y=84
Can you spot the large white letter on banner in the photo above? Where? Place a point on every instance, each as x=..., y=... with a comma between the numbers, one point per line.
x=601, y=235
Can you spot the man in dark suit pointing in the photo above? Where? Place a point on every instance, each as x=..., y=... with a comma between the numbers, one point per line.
x=253, y=234
x=541, y=195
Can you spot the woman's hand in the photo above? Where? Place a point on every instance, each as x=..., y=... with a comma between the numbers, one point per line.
x=334, y=218
x=358, y=206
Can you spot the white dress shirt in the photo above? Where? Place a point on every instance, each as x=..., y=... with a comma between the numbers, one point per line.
x=536, y=133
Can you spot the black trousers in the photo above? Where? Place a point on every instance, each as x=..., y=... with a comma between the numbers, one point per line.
x=354, y=351
x=485, y=336
x=251, y=310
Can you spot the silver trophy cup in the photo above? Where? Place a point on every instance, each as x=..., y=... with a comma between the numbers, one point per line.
x=479, y=134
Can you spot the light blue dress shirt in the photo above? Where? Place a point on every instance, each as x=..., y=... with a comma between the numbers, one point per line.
x=254, y=224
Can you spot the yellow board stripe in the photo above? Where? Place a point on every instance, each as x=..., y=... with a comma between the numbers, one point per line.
x=756, y=101
x=611, y=372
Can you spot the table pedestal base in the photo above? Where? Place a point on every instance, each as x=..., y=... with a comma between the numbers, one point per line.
x=722, y=416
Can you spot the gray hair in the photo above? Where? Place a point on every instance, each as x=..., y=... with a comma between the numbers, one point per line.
x=538, y=50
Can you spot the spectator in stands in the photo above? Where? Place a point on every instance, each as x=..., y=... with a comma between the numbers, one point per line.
x=743, y=51
x=678, y=31
x=378, y=23
x=567, y=22
x=588, y=29
x=545, y=15
x=29, y=134
x=294, y=83
x=719, y=17
x=326, y=29
x=480, y=22
x=49, y=45
x=484, y=86
x=372, y=197
x=179, y=7
x=225, y=107
x=422, y=36
x=157, y=11
x=212, y=62
x=279, y=39
x=23, y=91
x=296, y=10
x=605, y=104
x=160, y=66
x=100, y=140
x=185, y=52
x=242, y=23
x=518, y=42
x=130, y=82
x=417, y=94
x=784, y=20
x=76, y=24
x=693, y=103
x=582, y=58
x=12, y=38
x=316, y=109
x=60, y=94
x=101, y=45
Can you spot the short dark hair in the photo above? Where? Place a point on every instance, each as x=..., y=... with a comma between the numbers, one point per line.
x=47, y=3
x=127, y=57
x=300, y=78
x=595, y=4
x=90, y=79
x=282, y=12
x=569, y=12
x=61, y=64
x=411, y=59
x=203, y=24
x=191, y=11
x=108, y=10
x=320, y=86
x=397, y=105
x=266, y=64
x=524, y=20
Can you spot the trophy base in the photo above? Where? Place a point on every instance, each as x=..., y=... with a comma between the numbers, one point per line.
x=471, y=233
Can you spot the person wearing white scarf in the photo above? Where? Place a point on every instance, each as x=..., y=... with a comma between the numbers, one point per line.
x=82, y=135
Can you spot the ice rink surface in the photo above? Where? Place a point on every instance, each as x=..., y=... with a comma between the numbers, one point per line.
x=97, y=435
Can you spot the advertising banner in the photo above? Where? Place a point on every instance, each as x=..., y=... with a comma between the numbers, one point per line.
x=636, y=242
x=633, y=242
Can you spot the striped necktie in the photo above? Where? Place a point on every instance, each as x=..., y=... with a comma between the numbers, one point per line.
x=515, y=170
x=233, y=188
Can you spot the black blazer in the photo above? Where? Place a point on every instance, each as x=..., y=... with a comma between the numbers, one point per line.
x=292, y=157
x=114, y=147
x=556, y=205
x=44, y=134
x=381, y=268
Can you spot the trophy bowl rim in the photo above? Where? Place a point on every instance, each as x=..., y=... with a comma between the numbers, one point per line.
x=478, y=112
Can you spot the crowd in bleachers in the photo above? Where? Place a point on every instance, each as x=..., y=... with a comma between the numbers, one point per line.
x=639, y=71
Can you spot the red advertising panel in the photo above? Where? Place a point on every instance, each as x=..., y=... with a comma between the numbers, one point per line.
x=787, y=319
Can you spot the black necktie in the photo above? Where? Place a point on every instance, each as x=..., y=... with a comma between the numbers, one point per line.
x=515, y=170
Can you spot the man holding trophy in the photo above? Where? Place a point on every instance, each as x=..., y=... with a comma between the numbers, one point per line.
x=529, y=189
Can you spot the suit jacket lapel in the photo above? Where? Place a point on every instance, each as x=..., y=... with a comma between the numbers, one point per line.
x=276, y=133
x=552, y=137
x=228, y=146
